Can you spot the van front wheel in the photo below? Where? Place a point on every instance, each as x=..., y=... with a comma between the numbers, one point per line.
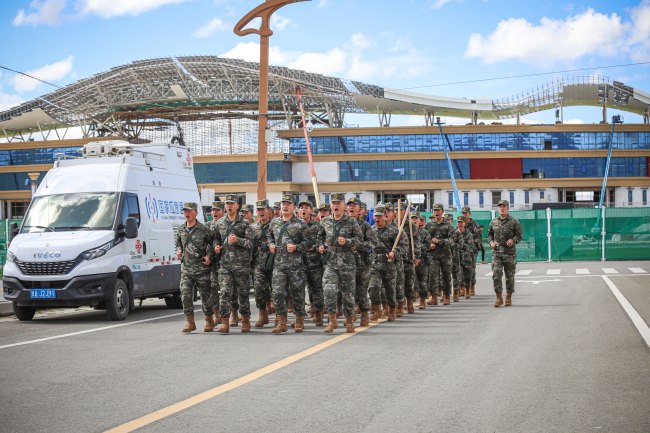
x=117, y=305
x=23, y=313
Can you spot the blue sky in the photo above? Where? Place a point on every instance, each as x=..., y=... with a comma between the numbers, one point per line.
x=422, y=45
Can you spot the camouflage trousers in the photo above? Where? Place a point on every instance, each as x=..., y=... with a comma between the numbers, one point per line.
x=457, y=271
x=314, y=276
x=234, y=283
x=291, y=281
x=473, y=277
x=200, y=281
x=214, y=286
x=262, y=286
x=361, y=293
x=382, y=286
x=440, y=269
x=422, y=274
x=465, y=274
x=399, y=281
x=410, y=281
x=504, y=263
x=341, y=279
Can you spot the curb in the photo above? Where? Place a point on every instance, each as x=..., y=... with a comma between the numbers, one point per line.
x=6, y=309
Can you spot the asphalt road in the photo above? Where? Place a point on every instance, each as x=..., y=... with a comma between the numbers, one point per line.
x=566, y=357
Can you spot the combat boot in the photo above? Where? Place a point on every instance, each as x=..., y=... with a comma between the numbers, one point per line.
x=234, y=318
x=423, y=303
x=468, y=294
x=508, y=299
x=225, y=326
x=339, y=311
x=270, y=307
x=190, y=325
x=392, y=314
x=333, y=323
x=300, y=324
x=349, y=324
x=365, y=320
x=455, y=295
x=384, y=313
x=433, y=300
x=245, y=324
x=217, y=316
x=263, y=319
x=445, y=299
x=472, y=292
x=280, y=324
x=209, y=324
x=461, y=292
x=318, y=318
x=376, y=313
x=400, y=309
x=409, y=306
x=499, y=301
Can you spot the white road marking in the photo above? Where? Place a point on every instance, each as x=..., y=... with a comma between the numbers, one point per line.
x=581, y=271
x=489, y=274
x=610, y=271
x=640, y=324
x=524, y=272
x=535, y=282
x=553, y=272
x=637, y=270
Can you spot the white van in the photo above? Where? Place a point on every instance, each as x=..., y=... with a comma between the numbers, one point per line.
x=101, y=230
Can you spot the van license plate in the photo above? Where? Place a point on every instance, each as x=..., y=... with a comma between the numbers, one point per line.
x=42, y=293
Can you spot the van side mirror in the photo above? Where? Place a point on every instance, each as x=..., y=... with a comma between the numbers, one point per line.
x=131, y=229
x=13, y=230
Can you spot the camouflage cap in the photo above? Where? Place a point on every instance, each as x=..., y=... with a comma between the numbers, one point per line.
x=415, y=214
x=354, y=200
x=189, y=205
x=248, y=208
x=323, y=208
x=438, y=206
x=337, y=196
x=466, y=209
x=389, y=206
x=217, y=205
x=277, y=205
x=448, y=216
x=287, y=198
x=363, y=205
x=505, y=203
x=307, y=202
x=402, y=205
x=230, y=198
x=262, y=204
x=461, y=218
x=422, y=218
x=380, y=209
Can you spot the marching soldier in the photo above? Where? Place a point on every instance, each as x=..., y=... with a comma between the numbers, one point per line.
x=504, y=233
x=440, y=252
x=235, y=243
x=411, y=260
x=261, y=272
x=324, y=211
x=276, y=209
x=313, y=266
x=342, y=237
x=476, y=231
x=194, y=249
x=217, y=212
x=455, y=259
x=286, y=240
x=422, y=269
x=466, y=250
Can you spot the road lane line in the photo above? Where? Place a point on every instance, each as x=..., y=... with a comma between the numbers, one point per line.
x=214, y=392
x=610, y=271
x=637, y=320
x=582, y=271
x=88, y=331
x=637, y=270
x=524, y=272
x=489, y=274
x=553, y=272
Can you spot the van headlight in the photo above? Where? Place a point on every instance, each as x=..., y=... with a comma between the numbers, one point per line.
x=10, y=256
x=98, y=252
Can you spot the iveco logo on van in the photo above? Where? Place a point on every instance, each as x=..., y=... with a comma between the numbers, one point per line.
x=47, y=255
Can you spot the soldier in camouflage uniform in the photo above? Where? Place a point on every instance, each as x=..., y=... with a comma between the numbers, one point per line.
x=324, y=211
x=440, y=252
x=234, y=241
x=362, y=256
x=410, y=260
x=397, y=215
x=456, y=271
x=217, y=212
x=477, y=233
x=194, y=249
x=342, y=237
x=287, y=241
x=262, y=275
x=422, y=269
x=315, y=236
x=504, y=233
x=383, y=271
x=467, y=253
x=276, y=209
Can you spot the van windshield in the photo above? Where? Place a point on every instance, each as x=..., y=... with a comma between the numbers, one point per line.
x=74, y=211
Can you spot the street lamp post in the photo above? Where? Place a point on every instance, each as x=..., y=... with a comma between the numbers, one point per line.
x=264, y=12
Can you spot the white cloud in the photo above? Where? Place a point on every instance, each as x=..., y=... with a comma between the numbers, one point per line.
x=359, y=40
x=41, y=12
x=323, y=3
x=52, y=73
x=8, y=101
x=439, y=3
x=551, y=41
x=210, y=28
x=250, y=51
x=332, y=62
x=278, y=22
x=114, y=8
x=639, y=42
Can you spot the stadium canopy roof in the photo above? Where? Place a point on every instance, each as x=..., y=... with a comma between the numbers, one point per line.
x=208, y=87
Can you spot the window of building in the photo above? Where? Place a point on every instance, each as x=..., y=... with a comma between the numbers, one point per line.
x=465, y=198
x=326, y=196
x=644, y=197
x=481, y=199
x=527, y=197
x=629, y=197
x=496, y=197
x=512, y=198
x=541, y=195
x=450, y=202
